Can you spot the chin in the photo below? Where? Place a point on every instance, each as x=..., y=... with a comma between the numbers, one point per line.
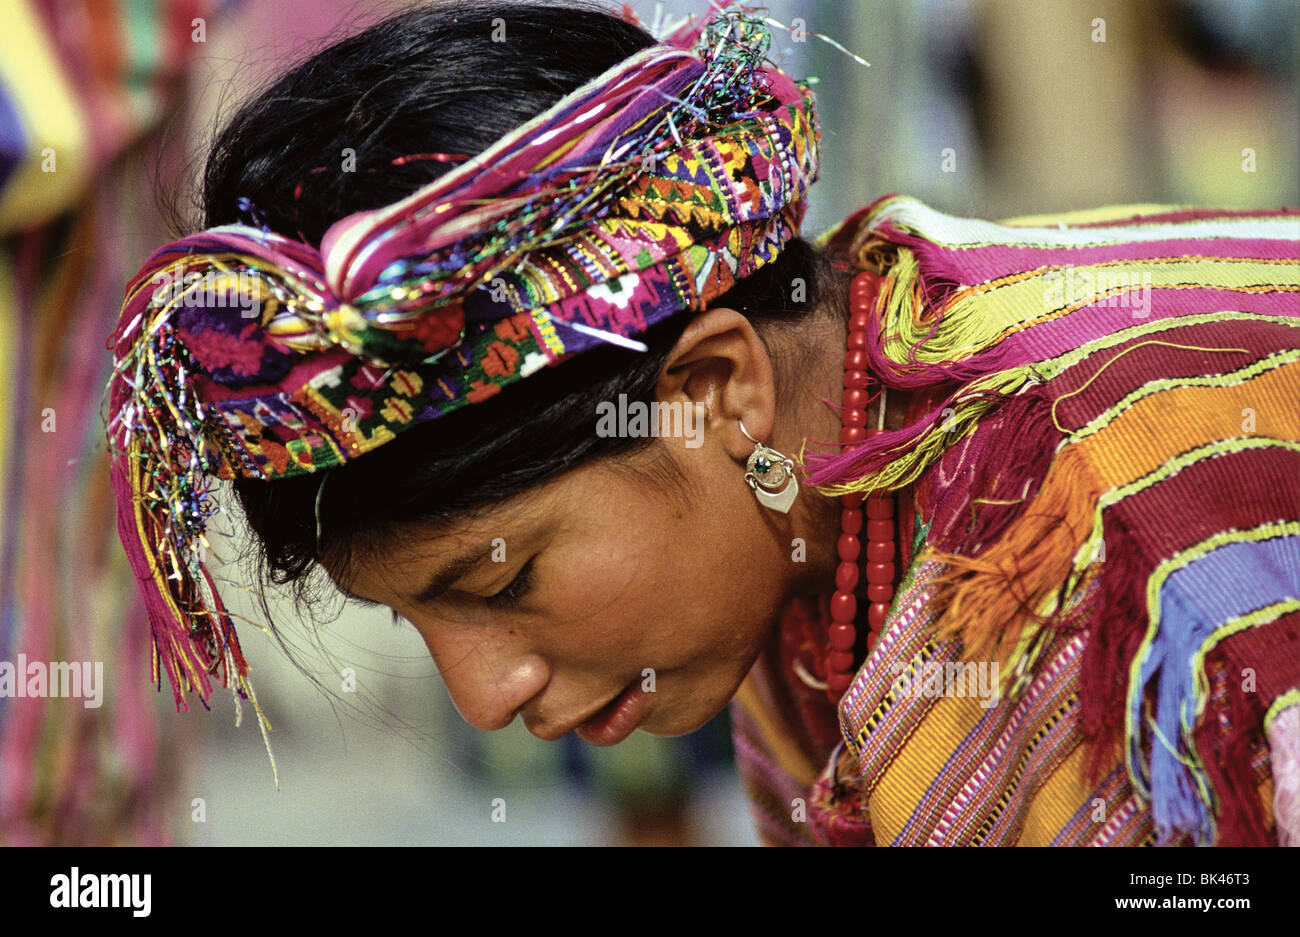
x=675, y=724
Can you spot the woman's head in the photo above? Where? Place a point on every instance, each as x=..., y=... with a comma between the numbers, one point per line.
x=640, y=552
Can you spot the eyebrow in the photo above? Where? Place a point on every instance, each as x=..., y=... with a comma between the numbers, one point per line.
x=440, y=583
x=450, y=574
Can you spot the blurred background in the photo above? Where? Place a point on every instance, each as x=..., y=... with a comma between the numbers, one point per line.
x=991, y=109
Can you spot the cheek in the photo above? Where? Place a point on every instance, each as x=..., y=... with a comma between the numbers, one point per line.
x=669, y=590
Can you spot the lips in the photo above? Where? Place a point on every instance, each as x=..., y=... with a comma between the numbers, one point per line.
x=617, y=719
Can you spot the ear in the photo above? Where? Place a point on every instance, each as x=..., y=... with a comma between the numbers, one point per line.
x=720, y=362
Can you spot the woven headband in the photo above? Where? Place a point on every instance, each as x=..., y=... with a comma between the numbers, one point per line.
x=647, y=192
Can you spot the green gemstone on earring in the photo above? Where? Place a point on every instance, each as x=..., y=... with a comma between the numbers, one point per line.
x=762, y=465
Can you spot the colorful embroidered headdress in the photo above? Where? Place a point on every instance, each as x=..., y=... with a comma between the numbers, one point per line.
x=647, y=192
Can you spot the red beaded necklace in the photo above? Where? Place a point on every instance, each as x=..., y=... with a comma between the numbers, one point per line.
x=842, y=634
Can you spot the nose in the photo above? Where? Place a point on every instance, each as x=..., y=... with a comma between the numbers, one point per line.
x=490, y=676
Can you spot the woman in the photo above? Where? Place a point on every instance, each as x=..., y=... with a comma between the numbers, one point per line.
x=1004, y=600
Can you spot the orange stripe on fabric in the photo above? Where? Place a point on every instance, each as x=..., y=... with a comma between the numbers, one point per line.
x=1159, y=427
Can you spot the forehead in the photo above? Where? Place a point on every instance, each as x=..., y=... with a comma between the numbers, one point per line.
x=392, y=556
x=593, y=503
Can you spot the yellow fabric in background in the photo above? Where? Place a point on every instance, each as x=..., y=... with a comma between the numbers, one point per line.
x=51, y=119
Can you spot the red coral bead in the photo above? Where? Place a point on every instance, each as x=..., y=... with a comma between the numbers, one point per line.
x=837, y=683
x=859, y=320
x=856, y=340
x=876, y=613
x=848, y=547
x=853, y=417
x=854, y=398
x=878, y=573
x=851, y=500
x=852, y=434
x=880, y=592
x=851, y=520
x=844, y=606
x=840, y=661
x=880, y=530
x=841, y=637
x=855, y=360
x=879, y=507
x=856, y=377
x=880, y=551
x=846, y=576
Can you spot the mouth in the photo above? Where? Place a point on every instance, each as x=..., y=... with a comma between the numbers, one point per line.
x=618, y=718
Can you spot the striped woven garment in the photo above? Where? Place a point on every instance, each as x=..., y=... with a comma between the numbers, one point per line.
x=1097, y=637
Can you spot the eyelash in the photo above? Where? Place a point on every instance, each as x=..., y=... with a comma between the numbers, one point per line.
x=515, y=591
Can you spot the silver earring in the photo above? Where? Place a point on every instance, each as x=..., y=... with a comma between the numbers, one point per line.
x=771, y=475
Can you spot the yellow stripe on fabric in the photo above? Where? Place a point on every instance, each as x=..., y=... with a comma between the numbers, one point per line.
x=50, y=117
x=1289, y=698
x=978, y=317
x=1251, y=274
x=1155, y=584
x=1060, y=798
x=1051, y=367
x=1093, y=215
x=904, y=782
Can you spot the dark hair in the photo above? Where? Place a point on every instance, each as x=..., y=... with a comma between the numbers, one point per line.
x=433, y=80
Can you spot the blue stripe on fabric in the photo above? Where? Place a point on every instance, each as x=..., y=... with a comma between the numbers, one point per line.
x=1195, y=601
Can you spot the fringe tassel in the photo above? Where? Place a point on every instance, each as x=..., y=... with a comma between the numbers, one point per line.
x=1226, y=760
x=898, y=458
x=942, y=333
x=1015, y=459
x=989, y=600
x=1117, y=623
x=139, y=536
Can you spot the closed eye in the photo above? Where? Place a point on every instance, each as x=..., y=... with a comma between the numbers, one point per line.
x=513, y=593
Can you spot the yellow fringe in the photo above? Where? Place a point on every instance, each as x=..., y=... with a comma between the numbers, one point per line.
x=911, y=464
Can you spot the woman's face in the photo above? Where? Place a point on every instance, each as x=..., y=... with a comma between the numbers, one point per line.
x=614, y=587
